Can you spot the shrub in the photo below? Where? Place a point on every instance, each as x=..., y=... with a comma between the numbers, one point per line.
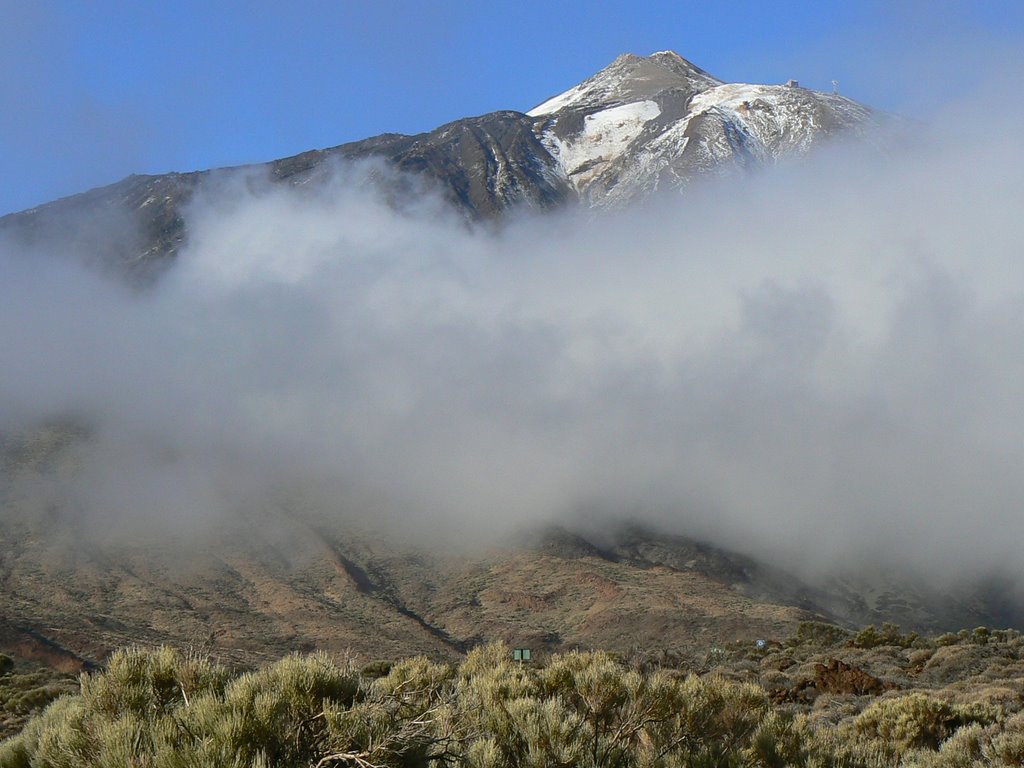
x=1007, y=747
x=377, y=669
x=889, y=634
x=818, y=635
x=917, y=721
x=161, y=709
x=149, y=683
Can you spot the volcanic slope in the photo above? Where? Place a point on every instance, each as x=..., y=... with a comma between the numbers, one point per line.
x=286, y=578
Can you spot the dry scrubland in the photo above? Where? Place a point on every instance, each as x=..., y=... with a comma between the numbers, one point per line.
x=824, y=697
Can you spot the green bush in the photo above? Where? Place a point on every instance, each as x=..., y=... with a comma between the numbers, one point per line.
x=163, y=709
x=917, y=721
x=377, y=669
x=889, y=634
x=818, y=635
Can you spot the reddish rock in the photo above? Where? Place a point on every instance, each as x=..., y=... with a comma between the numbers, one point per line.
x=834, y=676
x=838, y=677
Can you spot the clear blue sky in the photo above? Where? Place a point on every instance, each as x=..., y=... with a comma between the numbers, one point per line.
x=94, y=90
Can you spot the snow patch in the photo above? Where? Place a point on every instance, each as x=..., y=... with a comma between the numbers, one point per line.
x=605, y=136
x=555, y=103
x=779, y=119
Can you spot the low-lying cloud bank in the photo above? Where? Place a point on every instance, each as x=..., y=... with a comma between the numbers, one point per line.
x=823, y=363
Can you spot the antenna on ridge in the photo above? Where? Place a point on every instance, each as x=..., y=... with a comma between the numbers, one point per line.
x=835, y=87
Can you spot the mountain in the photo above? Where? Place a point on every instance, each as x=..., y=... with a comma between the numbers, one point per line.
x=640, y=125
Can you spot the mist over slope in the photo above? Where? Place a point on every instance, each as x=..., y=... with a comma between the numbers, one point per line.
x=820, y=366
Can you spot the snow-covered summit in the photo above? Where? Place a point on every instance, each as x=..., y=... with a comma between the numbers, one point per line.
x=631, y=78
x=643, y=123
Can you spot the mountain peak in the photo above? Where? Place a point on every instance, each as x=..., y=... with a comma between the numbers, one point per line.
x=669, y=60
x=631, y=78
x=644, y=122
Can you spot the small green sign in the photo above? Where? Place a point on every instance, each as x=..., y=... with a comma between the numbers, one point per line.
x=521, y=654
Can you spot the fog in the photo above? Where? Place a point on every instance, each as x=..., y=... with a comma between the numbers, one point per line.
x=816, y=364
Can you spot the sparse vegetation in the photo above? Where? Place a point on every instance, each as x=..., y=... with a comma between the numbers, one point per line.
x=889, y=634
x=26, y=691
x=770, y=706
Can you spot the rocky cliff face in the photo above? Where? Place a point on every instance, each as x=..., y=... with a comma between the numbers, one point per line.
x=640, y=125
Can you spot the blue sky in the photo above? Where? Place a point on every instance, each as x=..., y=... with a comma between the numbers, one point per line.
x=93, y=91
